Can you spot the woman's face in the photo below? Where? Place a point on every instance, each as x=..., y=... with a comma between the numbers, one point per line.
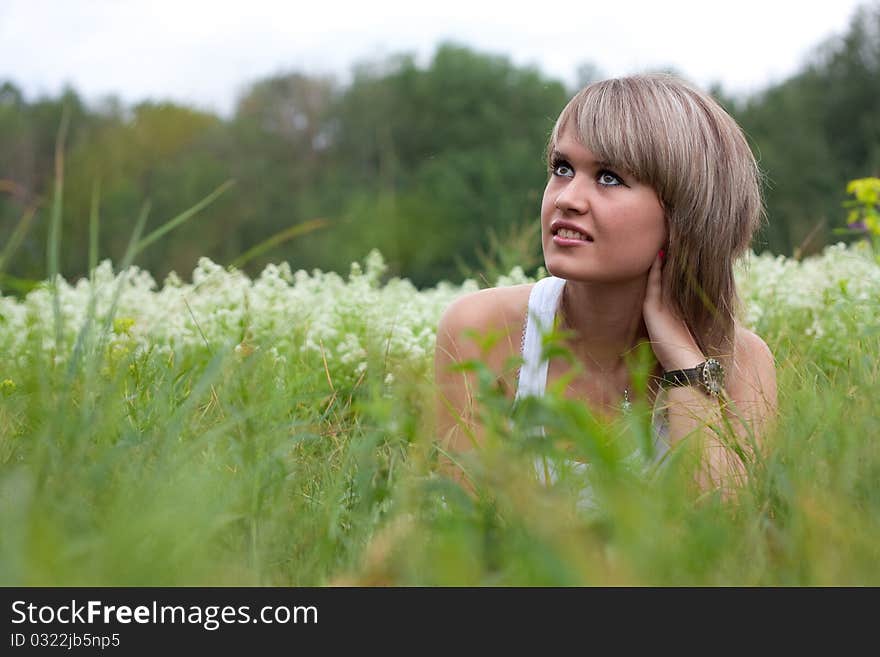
x=597, y=223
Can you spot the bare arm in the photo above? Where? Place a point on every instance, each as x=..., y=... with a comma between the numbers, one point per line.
x=747, y=412
x=458, y=429
x=455, y=407
x=720, y=432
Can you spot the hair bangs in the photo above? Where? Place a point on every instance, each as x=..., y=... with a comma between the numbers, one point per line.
x=610, y=121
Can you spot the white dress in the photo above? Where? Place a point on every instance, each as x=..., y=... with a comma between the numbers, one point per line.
x=543, y=305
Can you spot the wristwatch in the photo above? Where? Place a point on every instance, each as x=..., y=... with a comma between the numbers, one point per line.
x=708, y=376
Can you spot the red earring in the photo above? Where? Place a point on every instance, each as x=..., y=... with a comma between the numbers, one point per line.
x=662, y=254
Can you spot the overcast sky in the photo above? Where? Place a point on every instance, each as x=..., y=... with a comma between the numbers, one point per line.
x=205, y=52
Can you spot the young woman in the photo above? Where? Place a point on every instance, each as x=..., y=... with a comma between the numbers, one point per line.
x=653, y=193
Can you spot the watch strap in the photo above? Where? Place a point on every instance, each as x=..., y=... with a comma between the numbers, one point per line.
x=687, y=377
x=707, y=376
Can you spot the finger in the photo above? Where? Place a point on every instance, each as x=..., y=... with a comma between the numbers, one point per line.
x=654, y=273
x=652, y=291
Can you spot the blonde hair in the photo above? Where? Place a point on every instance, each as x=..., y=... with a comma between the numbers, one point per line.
x=680, y=142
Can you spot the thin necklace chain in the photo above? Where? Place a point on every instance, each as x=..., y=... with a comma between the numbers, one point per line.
x=626, y=405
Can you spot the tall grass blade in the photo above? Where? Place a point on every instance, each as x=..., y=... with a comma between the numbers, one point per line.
x=93, y=229
x=86, y=328
x=53, y=255
x=278, y=238
x=130, y=252
x=96, y=361
x=18, y=235
x=173, y=223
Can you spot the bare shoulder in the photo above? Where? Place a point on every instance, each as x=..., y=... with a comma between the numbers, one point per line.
x=497, y=311
x=752, y=385
x=751, y=350
x=492, y=309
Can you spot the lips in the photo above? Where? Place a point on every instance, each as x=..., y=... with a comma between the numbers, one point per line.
x=569, y=231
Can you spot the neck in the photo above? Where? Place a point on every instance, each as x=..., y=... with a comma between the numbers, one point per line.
x=605, y=319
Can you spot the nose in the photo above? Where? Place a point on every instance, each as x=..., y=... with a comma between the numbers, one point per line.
x=573, y=198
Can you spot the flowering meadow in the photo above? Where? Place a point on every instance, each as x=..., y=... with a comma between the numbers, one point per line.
x=277, y=431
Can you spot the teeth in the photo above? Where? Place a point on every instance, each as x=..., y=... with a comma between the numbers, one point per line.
x=571, y=234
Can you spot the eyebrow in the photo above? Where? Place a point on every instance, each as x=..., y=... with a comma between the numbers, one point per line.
x=556, y=154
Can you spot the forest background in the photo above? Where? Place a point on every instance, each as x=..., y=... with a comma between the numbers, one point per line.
x=438, y=166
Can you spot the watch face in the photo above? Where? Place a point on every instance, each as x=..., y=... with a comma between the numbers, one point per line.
x=713, y=376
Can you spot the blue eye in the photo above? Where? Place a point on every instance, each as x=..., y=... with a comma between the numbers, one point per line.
x=609, y=178
x=561, y=168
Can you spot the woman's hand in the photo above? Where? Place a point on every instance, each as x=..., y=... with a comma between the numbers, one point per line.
x=690, y=413
x=672, y=342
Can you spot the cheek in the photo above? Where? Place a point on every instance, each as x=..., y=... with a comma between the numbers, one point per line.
x=636, y=237
x=546, y=205
x=646, y=223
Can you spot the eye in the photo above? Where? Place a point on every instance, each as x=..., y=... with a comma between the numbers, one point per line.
x=608, y=178
x=561, y=168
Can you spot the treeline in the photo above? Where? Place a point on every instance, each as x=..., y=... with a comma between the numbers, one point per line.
x=815, y=132
x=440, y=167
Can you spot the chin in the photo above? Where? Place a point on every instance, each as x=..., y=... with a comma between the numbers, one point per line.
x=572, y=271
x=567, y=271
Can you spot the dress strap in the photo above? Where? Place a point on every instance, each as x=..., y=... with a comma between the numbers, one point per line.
x=543, y=303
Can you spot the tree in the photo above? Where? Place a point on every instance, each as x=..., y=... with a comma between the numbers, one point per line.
x=815, y=132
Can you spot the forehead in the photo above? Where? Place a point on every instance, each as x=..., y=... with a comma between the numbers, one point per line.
x=568, y=146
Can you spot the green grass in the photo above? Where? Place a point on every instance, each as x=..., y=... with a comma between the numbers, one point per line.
x=219, y=468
